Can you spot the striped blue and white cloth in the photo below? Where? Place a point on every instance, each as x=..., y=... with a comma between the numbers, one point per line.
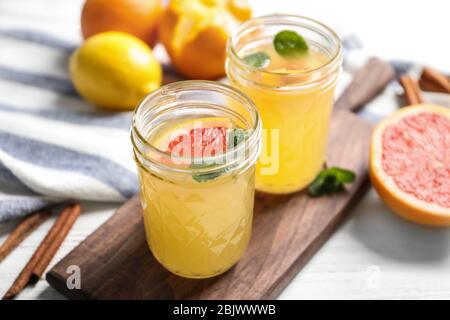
x=53, y=145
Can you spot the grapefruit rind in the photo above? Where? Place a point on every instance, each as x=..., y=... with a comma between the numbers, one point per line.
x=402, y=203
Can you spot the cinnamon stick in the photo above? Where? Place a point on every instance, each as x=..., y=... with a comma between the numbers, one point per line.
x=412, y=91
x=41, y=265
x=22, y=230
x=432, y=80
x=46, y=249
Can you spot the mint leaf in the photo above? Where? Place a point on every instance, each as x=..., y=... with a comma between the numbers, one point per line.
x=343, y=175
x=315, y=187
x=203, y=177
x=330, y=180
x=236, y=136
x=289, y=43
x=257, y=59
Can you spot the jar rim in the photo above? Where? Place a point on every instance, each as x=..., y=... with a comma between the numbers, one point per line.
x=137, y=137
x=280, y=19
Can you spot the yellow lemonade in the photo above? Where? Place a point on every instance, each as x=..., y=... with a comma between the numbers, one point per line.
x=197, y=216
x=294, y=95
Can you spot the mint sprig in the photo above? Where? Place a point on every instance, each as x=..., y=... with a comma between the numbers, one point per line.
x=330, y=180
x=289, y=43
x=257, y=59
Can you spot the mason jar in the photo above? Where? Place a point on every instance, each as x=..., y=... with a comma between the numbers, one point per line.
x=197, y=215
x=294, y=102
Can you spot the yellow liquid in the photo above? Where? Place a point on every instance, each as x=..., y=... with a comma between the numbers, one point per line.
x=196, y=229
x=291, y=158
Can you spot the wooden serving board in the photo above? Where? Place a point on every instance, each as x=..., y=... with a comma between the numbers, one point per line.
x=116, y=263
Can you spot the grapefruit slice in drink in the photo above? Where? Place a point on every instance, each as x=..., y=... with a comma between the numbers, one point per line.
x=194, y=138
x=195, y=143
x=410, y=163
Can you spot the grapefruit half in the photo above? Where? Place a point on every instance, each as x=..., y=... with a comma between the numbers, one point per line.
x=410, y=163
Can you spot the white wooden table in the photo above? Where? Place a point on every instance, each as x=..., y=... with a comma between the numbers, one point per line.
x=374, y=254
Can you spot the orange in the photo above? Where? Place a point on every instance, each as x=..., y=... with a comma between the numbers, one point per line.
x=195, y=34
x=410, y=163
x=137, y=17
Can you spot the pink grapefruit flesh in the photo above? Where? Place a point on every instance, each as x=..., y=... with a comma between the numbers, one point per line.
x=200, y=142
x=410, y=163
x=416, y=154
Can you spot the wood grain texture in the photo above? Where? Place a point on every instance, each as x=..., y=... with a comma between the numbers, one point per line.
x=116, y=263
x=368, y=82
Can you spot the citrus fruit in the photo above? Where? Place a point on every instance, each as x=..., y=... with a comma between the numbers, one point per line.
x=198, y=140
x=195, y=34
x=114, y=70
x=410, y=163
x=194, y=137
x=137, y=17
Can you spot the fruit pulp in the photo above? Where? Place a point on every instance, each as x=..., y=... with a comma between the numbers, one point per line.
x=415, y=154
x=196, y=228
x=295, y=121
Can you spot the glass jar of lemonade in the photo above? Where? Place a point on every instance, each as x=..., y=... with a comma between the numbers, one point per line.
x=195, y=144
x=289, y=66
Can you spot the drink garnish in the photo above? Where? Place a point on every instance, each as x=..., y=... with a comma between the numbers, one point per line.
x=202, y=177
x=289, y=43
x=257, y=59
x=235, y=137
x=216, y=139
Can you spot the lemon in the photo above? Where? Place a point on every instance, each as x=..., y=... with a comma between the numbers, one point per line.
x=114, y=70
